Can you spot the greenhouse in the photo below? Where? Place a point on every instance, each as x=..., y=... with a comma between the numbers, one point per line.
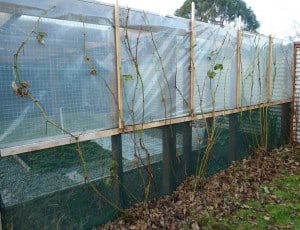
x=103, y=107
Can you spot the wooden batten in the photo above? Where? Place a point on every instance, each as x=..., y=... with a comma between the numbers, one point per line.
x=46, y=143
x=238, y=70
x=118, y=65
x=192, y=58
x=58, y=141
x=269, y=69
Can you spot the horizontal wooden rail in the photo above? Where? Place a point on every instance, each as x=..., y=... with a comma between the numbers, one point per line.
x=95, y=134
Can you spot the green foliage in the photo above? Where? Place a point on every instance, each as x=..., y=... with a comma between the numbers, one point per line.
x=218, y=67
x=127, y=77
x=220, y=12
x=212, y=73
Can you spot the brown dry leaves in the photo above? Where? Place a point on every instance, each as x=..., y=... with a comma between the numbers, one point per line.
x=219, y=195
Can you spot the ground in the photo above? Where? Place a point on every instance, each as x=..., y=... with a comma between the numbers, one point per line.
x=259, y=192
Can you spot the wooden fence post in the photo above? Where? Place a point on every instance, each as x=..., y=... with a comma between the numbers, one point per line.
x=169, y=159
x=187, y=147
x=192, y=59
x=232, y=142
x=117, y=167
x=238, y=71
x=285, y=123
x=118, y=66
x=269, y=70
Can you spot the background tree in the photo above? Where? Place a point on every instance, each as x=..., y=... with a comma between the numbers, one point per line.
x=220, y=12
x=295, y=34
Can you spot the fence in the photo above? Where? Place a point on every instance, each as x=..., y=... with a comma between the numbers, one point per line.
x=295, y=127
x=102, y=97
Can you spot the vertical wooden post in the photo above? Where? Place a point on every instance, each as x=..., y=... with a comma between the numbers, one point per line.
x=232, y=142
x=1, y=214
x=192, y=59
x=118, y=66
x=0, y=219
x=269, y=70
x=117, y=166
x=285, y=123
x=187, y=147
x=238, y=71
x=169, y=159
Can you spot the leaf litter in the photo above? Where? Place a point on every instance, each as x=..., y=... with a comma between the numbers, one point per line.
x=197, y=200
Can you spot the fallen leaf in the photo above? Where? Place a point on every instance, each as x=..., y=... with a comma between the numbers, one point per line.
x=195, y=226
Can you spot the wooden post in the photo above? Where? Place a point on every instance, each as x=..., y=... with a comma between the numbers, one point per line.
x=269, y=70
x=1, y=206
x=232, y=142
x=118, y=66
x=0, y=221
x=285, y=123
x=169, y=159
x=192, y=59
x=264, y=122
x=238, y=71
x=117, y=166
x=187, y=147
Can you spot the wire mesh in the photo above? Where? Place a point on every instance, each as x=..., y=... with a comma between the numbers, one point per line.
x=69, y=66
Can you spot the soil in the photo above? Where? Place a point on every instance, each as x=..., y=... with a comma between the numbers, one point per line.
x=217, y=196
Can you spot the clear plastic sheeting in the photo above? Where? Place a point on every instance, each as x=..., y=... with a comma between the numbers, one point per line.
x=215, y=68
x=281, y=80
x=254, y=62
x=68, y=62
x=155, y=67
x=64, y=52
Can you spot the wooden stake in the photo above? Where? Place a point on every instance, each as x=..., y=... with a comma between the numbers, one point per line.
x=116, y=145
x=169, y=159
x=238, y=71
x=118, y=65
x=269, y=69
x=192, y=58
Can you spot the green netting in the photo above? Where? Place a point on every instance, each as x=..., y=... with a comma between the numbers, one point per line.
x=48, y=189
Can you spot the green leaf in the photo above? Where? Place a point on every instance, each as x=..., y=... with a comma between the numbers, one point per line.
x=218, y=66
x=127, y=77
x=211, y=74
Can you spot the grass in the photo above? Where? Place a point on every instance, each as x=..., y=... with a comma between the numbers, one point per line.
x=277, y=208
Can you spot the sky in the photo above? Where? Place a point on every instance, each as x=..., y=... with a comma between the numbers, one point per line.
x=277, y=17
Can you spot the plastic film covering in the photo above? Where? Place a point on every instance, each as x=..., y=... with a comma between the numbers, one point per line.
x=254, y=60
x=155, y=66
x=282, y=62
x=68, y=63
x=215, y=68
